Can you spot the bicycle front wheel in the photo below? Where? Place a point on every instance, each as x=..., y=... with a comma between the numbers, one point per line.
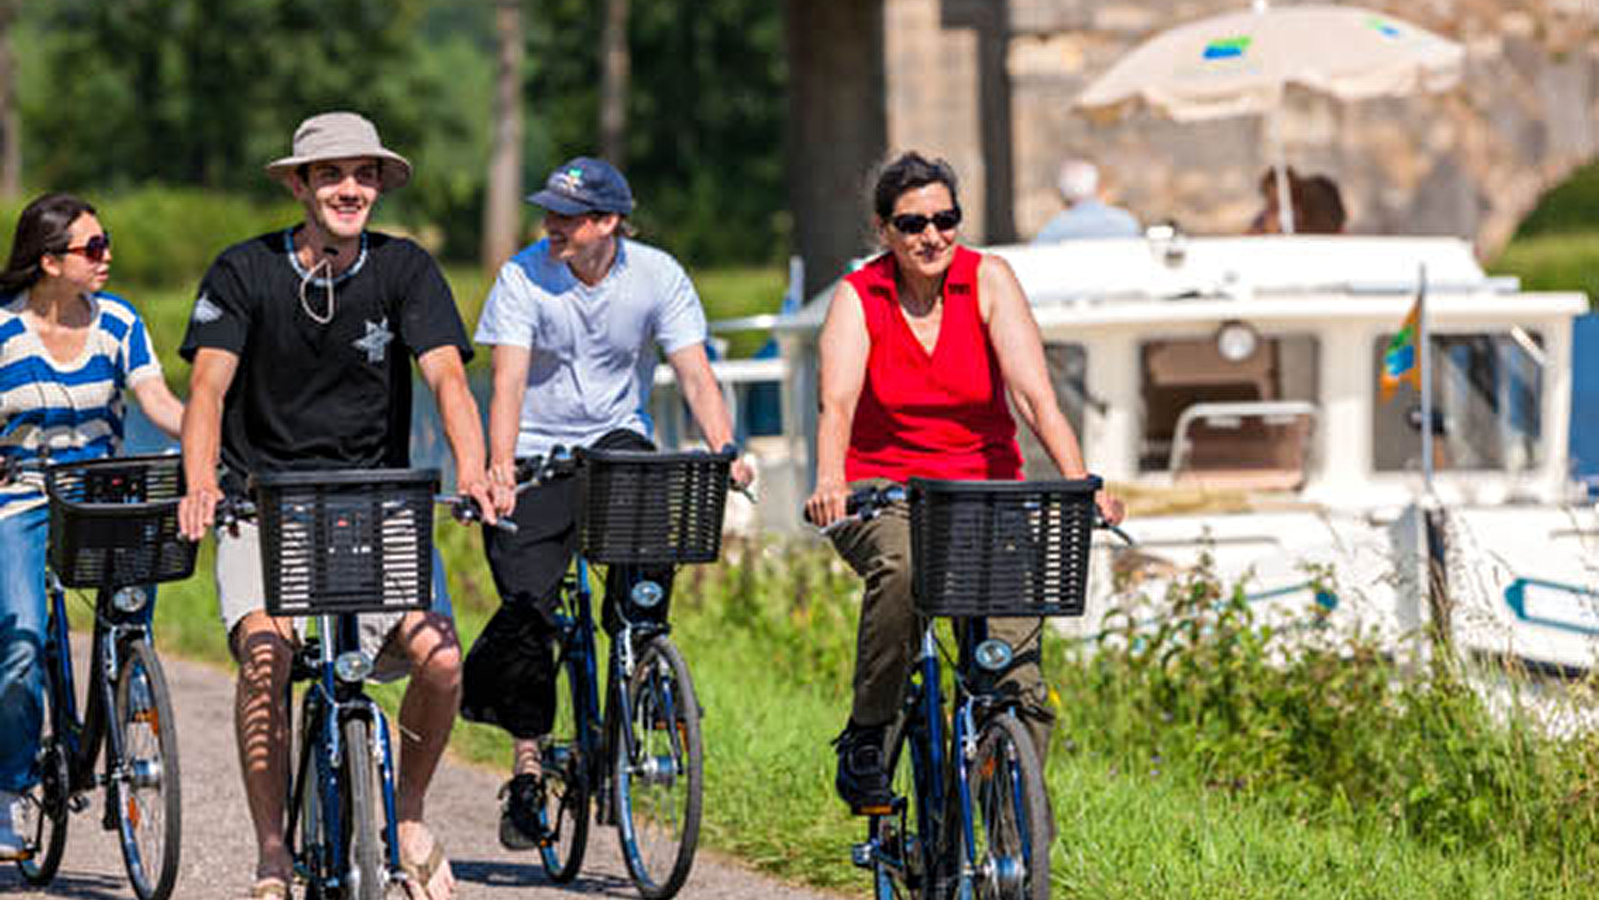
x=366, y=877
x=1010, y=814
x=42, y=814
x=144, y=786
x=659, y=772
x=565, y=815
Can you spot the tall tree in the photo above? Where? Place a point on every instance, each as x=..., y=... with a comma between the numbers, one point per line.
x=837, y=127
x=10, y=117
x=502, y=209
x=617, y=65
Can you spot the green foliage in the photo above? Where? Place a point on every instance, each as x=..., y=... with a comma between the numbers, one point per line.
x=705, y=118
x=1326, y=725
x=1554, y=261
x=205, y=92
x=1205, y=754
x=1573, y=206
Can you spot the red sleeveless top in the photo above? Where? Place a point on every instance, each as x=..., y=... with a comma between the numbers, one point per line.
x=936, y=415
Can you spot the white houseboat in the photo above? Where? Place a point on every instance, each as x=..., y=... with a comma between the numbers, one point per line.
x=1231, y=387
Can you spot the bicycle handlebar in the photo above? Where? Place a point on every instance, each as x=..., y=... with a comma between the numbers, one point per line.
x=864, y=504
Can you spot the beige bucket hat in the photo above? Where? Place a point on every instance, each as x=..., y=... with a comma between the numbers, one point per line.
x=340, y=135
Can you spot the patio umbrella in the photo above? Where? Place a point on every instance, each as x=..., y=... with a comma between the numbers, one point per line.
x=1240, y=63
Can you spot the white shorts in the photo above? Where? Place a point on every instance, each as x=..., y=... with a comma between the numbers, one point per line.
x=241, y=590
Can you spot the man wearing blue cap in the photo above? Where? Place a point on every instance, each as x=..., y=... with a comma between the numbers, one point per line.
x=570, y=320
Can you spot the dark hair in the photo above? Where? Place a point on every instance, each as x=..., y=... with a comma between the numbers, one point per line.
x=45, y=226
x=907, y=173
x=1318, y=205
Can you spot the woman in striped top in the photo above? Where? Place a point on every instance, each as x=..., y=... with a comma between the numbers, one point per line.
x=68, y=352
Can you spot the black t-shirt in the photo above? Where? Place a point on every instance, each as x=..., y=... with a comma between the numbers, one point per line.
x=316, y=396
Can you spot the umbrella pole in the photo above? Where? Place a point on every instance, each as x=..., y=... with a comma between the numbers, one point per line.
x=1285, y=198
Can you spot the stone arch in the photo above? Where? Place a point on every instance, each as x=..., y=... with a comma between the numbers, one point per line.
x=1472, y=162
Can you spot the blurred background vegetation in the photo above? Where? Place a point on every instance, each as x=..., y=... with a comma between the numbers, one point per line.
x=127, y=102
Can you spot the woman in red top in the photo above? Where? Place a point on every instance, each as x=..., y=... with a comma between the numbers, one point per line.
x=919, y=351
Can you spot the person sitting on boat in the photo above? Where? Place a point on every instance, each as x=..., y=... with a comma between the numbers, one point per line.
x=1318, y=205
x=919, y=351
x=1086, y=215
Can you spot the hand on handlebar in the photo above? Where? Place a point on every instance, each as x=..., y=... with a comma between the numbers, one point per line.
x=1111, y=508
x=197, y=511
x=828, y=504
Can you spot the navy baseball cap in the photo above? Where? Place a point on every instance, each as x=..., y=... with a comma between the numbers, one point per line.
x=585, y=185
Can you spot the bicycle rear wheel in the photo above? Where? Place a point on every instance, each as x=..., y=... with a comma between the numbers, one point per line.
x=43, y=811
x=146, y=797
x=899, y=866
x=659, y=762
x=565, y=816
x=1010, y=814
x=366, y=878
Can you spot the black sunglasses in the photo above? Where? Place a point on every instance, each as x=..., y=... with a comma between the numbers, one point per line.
x=916, y=223
x=94, y=249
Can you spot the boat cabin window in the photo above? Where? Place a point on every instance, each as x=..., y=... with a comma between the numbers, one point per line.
x=1487, y=397
x=1243, y=418
x=1068, y=372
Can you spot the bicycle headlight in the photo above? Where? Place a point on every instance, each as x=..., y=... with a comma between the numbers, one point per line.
x=647, y=594
x=352, y=667
x=130, y=599
x=993, y=655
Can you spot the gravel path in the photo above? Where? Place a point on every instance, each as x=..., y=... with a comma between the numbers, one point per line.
x=219, y=853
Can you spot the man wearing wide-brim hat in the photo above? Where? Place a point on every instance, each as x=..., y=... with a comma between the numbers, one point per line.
x=301, y=342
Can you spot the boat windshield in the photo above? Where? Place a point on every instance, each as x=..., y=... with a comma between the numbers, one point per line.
x=1487, y=395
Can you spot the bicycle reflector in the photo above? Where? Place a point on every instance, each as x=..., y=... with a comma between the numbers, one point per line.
x=352, y=667
x=130, y=600
x=993, y=655
x=647, y=594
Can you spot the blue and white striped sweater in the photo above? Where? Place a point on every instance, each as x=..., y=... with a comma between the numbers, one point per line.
x=75, y=409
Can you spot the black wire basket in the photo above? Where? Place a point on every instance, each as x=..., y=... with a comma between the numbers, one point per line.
x=114, y=522
x=646, y=507
x=356, y=541
x=1001, y=548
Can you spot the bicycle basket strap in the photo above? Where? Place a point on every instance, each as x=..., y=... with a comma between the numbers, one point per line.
x=1001, y=548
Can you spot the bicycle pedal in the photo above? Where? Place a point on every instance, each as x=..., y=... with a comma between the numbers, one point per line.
x=873, y=809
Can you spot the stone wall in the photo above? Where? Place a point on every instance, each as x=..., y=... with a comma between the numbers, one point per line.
x=1470, y=162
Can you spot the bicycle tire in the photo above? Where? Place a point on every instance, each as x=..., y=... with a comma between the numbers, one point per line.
x=659, y=772
x=45, y=804
x=1010, y=814
x=366, y=878
x=148, y=800
x=565, y=816
x=900, y=835
x=311, y=855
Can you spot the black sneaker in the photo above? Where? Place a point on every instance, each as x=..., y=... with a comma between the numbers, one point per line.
x=520, y=828
x=862, y=780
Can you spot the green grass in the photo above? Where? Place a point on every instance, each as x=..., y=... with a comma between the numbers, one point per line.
x=1566, y=261
x=1167, y=781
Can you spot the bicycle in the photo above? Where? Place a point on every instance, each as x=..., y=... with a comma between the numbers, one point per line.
x=113, y=529
x=641, y=761
x=971, y=816
x=336, y=545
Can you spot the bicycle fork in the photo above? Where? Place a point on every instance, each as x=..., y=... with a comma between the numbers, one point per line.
x=891, y=845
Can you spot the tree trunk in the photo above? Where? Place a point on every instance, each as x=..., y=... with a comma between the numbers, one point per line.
x=837, y=128
x=10, y=118
x=618, y=63
x=502, y=208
